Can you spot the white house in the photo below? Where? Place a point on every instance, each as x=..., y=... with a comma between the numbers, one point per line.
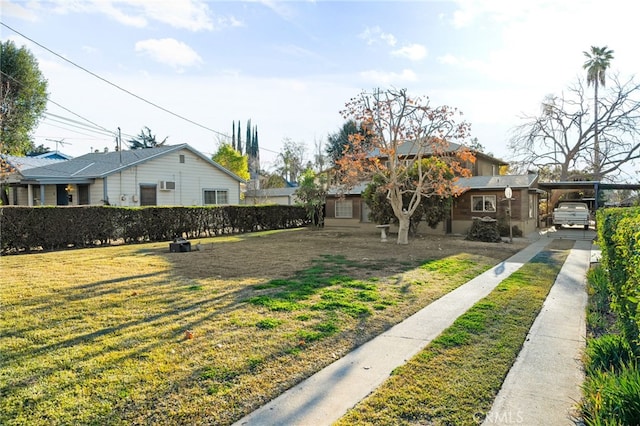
x=283, y=196
x=176, y=175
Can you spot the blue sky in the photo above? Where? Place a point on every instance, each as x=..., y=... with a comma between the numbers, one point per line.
x=290, y=66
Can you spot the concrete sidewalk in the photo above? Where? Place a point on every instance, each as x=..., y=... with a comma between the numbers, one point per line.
x=326, y=396
x=543, y=385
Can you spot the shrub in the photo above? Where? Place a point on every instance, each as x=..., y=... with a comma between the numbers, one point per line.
x=600, y=320
x=610, y=352
x=51, y=227
x=598, y=289
x=484, y=230
x=503, y=228
x=612, y=399
x=619, y=237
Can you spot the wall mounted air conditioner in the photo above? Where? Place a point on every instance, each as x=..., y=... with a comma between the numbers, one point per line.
x=167, y=185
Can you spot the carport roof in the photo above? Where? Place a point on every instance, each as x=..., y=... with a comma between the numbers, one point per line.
x=595, y=185
x=548, y=186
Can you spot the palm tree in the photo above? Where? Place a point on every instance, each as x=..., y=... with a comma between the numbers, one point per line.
x=598, y=60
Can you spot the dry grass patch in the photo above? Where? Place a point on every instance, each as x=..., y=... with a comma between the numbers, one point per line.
x=99, y=335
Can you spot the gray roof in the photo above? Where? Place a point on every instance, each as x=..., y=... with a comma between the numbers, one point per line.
x=102, y=164
x=498, y=182
x=471, y=183
x=25, y=163
x=410, y=148
x=355, y=190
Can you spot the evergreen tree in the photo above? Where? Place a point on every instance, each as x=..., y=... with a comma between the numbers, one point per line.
x=248, y=142
x=233, y=135
x=255, y=151
x=239, y=140
x=254, y=155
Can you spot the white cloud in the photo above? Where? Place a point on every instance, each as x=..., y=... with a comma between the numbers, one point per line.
x=107, y=8
x=385, y=78
x=229, y=21
x=193, y=15
x=501, y=11
x=373, y=35
x=169, y=51
x=280, y=8
x=413, y=52
x=19, y=11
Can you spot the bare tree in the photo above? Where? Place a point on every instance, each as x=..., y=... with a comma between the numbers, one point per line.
x=559, y=137
x=290, y=162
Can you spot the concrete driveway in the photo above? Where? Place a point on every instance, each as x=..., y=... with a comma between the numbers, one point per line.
x=577, y=233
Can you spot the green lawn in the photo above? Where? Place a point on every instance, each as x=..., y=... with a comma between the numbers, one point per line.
x=98, y=336
x=455, y=379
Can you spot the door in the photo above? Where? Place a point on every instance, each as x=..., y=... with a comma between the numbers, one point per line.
x=83, y=194
x=148, y=195
x=62, y=197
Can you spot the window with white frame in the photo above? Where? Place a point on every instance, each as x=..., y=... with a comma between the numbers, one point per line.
x=216, y=196
x=483, y=203
x=344, y=209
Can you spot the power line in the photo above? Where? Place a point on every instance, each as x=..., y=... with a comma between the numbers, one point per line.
x=113, y=84
x=70, y=123
x=110, y=133
x=97, y=126
x=79, y=116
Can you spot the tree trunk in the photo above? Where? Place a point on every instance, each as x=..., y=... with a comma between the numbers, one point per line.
x=403, y=229
x=596, y=144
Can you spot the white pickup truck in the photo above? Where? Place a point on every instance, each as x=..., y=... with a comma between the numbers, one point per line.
x=571, y=213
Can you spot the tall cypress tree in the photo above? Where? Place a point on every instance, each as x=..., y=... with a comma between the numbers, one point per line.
x=233, y=135
x=254, y=145
x=248, y=142
x=254, y=155
x=239, y=141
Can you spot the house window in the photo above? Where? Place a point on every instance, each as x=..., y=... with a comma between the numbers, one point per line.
x=181, y=158
x=483, y=203
x=148, y=195
x=216, y=196
x=344, y=209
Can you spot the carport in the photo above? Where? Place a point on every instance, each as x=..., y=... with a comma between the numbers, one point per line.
x=582, y=185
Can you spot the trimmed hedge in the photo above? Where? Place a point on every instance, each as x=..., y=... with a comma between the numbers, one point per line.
x=52, y=227
x=619, y=240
